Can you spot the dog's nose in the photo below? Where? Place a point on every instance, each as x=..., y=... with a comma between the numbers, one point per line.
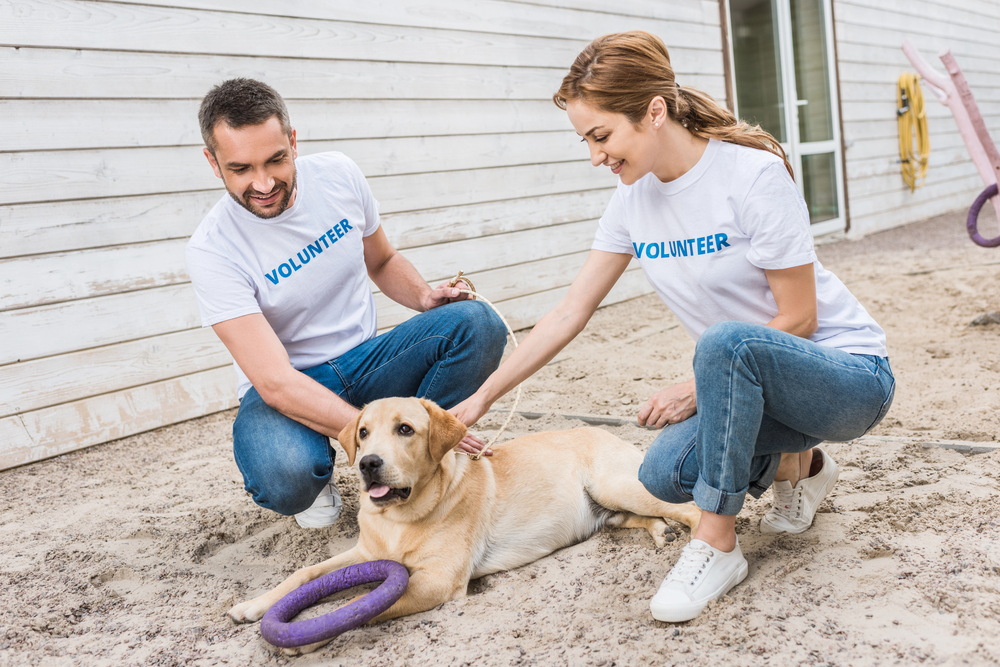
x=370, y=463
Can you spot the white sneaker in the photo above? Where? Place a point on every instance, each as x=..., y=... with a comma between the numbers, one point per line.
x=702, y=574
x=324, y=511
x=795, y=507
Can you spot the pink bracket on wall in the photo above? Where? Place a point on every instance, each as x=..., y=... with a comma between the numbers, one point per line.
x=953, y=91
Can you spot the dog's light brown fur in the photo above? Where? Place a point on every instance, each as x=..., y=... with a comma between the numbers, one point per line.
x=464, y=519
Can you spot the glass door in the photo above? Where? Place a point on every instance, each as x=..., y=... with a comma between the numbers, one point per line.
x=783, y=75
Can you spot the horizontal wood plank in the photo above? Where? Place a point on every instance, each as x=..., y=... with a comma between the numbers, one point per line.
x=490, y=16
x=68, y=73
x=57, y=176
x=916, y=17
x=128, y=27
x=31, y=229
x=706, y=11
x=35, y=125
x=871, y=220
x=499, y=285
x=966, y=188
x=32, y=385
x=44, y=331
x=73, y=426
x=131, y=27
x=527, y=310
x=46, y=279
x=455, y=223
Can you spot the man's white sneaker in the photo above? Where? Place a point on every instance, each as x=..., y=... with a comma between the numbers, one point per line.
x=702, y=574
x=324, y=511
x=795, y=507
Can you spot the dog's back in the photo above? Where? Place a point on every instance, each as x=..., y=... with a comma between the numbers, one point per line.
x=543, y=500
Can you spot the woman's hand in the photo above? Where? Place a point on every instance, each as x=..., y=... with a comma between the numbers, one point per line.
x=469, y=412
x=669, y=406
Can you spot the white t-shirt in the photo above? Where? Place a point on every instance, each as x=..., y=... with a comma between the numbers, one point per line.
x=304, y=269
x=704, y=240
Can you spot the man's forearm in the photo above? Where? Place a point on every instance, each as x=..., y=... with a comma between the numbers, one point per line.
x=299, y=397
x=400, y=281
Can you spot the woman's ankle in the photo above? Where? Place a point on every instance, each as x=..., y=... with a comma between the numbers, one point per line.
x=717, y=530
x=795, y=466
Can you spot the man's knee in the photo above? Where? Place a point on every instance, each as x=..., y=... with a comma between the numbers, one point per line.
x=484, y=328
x=287, y=489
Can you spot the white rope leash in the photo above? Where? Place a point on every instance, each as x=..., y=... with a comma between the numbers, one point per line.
x=517, y=396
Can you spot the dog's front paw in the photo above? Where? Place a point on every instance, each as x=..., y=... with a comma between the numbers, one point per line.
x=249, y=611
x=302, y=650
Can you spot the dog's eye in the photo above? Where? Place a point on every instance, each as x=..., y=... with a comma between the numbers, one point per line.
x=404, y=429
x=363, y=433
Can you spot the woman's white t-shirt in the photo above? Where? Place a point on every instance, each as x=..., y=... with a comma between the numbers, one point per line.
x=705, y=238
x=304, y=269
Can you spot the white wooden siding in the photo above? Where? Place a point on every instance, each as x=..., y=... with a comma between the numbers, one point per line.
x=869, y=37
x=445, y=105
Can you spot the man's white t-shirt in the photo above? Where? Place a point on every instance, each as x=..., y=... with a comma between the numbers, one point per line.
x=304, y=270
x=705, y=238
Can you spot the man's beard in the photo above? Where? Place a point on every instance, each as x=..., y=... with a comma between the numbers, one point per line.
x=248, y=204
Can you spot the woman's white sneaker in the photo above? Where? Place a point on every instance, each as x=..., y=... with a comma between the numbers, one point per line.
x=795, y=507
x=701, y=574
x=324, y=511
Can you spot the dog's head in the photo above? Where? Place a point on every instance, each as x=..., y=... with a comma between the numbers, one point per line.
x=399, y=443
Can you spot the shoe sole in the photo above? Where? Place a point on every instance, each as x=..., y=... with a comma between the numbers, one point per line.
x=318, y=524
x=679, y=614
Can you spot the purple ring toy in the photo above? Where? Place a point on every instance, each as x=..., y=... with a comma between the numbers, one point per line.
x=275, y=626
x=971, y=224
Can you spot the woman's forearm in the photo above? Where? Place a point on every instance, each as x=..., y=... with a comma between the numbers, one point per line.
x=552, y=333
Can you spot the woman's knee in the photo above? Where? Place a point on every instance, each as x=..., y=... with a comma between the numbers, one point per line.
x=668, y=463
x=721, y=337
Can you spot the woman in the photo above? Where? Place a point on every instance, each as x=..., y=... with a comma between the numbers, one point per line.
x=786, y=357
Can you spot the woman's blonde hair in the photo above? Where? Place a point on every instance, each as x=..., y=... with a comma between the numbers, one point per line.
x=623, y=72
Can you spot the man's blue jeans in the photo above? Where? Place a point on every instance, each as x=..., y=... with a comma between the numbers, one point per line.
x=444, y=355
x=761, y=392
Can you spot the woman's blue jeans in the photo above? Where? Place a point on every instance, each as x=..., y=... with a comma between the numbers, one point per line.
x=443, y=354
x=761, y=392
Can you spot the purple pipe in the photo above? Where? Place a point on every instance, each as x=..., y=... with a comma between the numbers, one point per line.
x=277, y=630
x=971, y=224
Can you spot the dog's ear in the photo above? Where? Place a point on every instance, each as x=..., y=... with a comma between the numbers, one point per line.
x=348, y=438
x=445, y=430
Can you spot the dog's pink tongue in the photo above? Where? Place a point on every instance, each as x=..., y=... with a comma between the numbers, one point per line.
x=378, y=490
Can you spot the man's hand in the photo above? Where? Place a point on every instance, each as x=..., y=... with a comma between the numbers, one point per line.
x=669, y=406
x=445, y=293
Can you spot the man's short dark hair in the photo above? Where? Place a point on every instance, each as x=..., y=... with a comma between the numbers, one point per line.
x=238, y=103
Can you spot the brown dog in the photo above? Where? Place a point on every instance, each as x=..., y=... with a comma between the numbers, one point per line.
x=450, y=519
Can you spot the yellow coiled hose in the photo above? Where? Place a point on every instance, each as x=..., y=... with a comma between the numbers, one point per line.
x=912, y=129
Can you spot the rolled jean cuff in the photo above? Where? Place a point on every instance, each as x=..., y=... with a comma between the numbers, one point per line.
x=717, y=501
x=763, y=483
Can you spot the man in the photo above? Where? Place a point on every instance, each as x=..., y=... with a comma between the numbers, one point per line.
x=280, y=268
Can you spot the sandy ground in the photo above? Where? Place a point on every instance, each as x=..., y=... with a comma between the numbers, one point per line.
x=130, y=553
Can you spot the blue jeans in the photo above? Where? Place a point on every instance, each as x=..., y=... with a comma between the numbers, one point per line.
x=761, y=392
x=444, y=355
